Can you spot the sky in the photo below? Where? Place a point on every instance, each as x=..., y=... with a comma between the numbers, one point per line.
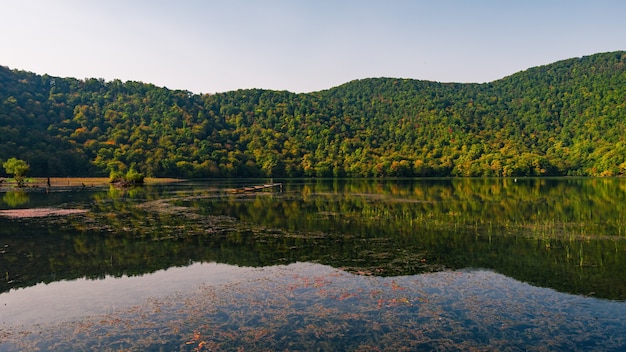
x=209, y=46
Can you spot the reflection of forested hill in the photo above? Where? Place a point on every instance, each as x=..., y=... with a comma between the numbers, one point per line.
x=564, y=118
x=563, y=234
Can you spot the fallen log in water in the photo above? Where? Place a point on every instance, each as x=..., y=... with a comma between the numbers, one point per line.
x=257, y=188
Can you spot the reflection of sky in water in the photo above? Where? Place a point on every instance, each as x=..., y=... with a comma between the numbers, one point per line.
x=67, y=300
x=312, y=304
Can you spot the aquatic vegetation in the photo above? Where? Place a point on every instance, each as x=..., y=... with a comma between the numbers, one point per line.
x=312, y=307
x=39, y=212
x=395, y=265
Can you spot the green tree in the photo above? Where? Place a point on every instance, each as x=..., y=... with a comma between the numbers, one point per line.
x=18, y=168
x=565, y=118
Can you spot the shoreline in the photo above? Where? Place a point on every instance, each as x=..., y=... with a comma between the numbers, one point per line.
x=9, y=184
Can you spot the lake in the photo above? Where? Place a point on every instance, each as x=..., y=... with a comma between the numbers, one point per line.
x=317, y=264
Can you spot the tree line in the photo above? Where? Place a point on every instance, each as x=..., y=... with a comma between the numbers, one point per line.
x=565, y=118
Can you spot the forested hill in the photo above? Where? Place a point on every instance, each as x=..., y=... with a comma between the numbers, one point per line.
x=565, y=118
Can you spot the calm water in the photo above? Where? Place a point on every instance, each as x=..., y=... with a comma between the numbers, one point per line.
x=527, y=264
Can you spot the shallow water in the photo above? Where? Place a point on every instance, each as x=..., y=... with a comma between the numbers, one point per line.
x=310, y=307
x=74, y=299
x=324, y=265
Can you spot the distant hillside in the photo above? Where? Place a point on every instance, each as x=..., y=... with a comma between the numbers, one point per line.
x=565, y=118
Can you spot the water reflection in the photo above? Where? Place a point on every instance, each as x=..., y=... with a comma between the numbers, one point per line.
x=313, y=307
x=567, y=234
x=562, y=233
x=15, y=198
x=63, y=301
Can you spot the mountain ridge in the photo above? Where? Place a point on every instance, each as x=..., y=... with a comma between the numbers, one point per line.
x=579, y=58
x=564, y=118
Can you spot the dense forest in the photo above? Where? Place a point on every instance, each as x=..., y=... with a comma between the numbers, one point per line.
x=565, y=118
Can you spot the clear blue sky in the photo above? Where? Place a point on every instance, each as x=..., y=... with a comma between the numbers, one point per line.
x=208, y=46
